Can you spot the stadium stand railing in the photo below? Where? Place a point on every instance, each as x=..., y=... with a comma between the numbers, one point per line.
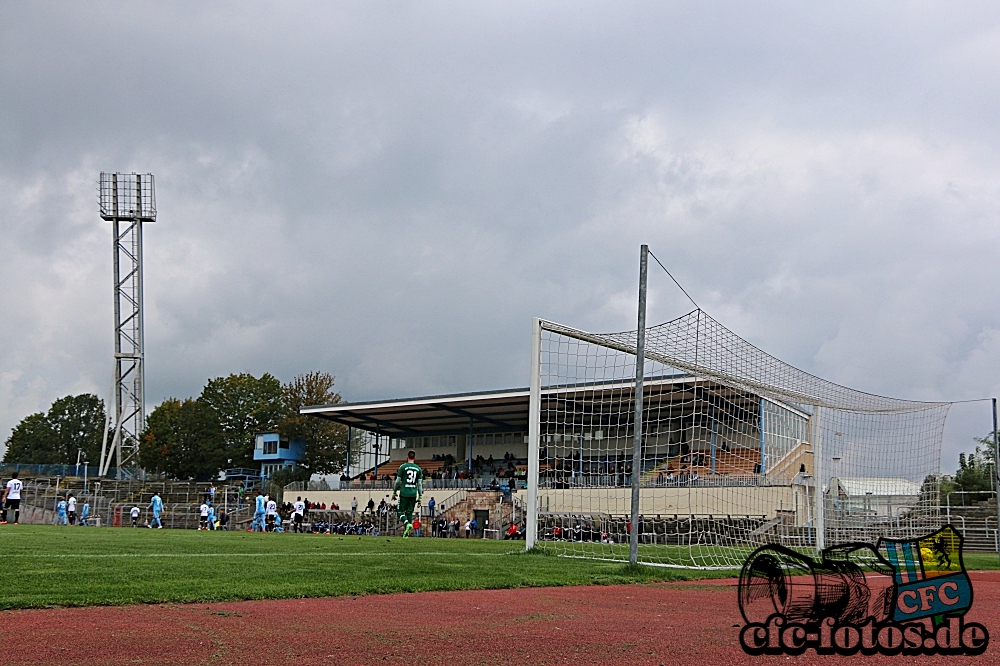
x=111, y=500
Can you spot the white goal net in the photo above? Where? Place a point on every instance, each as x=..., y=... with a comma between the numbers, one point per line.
x=738, y=449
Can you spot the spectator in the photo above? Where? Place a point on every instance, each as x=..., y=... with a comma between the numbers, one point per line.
x=240, y=495
x=223, y=520
x=430, y=506
x=416, y=526
x=474, y=525
x=354, y=508
x=371, y=506
x=468, y=528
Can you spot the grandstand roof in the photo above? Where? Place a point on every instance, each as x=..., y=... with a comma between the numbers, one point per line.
x=503, y=410
x=878, y=485
x=489, y=411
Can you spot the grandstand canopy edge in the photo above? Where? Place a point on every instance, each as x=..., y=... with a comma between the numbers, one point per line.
x=506, y=411
x=454, y=414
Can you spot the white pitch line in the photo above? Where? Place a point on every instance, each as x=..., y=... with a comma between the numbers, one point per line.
x=323, y=554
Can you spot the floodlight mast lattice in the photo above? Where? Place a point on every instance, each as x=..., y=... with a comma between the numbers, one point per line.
x=127, y=200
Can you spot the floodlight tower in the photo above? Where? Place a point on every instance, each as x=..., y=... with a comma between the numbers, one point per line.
x=127, y=200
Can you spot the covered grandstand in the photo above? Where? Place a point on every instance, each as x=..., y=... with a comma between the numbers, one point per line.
x=702, y=439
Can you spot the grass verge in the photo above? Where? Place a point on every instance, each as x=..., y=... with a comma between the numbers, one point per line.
x=45, y=565
x=71, y=566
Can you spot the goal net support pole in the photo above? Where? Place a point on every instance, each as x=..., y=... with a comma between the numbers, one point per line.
x=640, y=368
x=819, y=521
x=996, y=468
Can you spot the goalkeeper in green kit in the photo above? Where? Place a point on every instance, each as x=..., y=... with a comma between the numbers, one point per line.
x=410, y=486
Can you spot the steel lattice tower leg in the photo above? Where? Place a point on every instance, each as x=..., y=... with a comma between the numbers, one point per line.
x=127, y=201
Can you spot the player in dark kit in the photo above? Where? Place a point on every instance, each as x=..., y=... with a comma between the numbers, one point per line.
x=410, y=486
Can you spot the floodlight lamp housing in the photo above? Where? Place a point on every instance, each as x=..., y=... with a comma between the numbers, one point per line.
x=127, y=196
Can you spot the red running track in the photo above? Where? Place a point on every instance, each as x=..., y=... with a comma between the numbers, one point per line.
x=677, y=624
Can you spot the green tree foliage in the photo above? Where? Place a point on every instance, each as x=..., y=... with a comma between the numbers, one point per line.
x=31, y=441
x=975, y=473
x=73, y=423
x=183, y=439
x=326, y=442
x=244, y=405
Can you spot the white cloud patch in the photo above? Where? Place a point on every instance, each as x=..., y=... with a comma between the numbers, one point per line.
x=392, y=195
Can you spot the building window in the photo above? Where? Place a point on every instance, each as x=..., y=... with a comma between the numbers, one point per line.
x=270, y=447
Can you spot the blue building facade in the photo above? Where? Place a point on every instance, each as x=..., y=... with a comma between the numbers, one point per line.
x=275, y=452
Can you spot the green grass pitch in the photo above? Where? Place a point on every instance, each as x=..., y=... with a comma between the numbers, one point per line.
x=45, y=565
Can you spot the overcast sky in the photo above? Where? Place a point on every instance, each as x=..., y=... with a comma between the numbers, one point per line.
x=391, y=191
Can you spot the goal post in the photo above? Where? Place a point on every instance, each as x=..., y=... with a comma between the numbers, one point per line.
x=534, y=402
x=734, y=449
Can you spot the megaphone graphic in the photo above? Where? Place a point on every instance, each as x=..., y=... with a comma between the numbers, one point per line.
x=850, y=583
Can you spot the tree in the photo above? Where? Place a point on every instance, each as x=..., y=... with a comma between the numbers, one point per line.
x=77, y=423
x=326, y=442
x=73, y=423
x=183, y=439
x=975, y=472
x=244, y=405
x=31, y=441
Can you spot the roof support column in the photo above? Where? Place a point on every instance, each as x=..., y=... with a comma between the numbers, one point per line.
x=468, y=448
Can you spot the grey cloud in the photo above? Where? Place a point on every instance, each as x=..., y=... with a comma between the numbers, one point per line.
x=392, y=193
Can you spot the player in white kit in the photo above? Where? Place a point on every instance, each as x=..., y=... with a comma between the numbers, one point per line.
x=12, y=498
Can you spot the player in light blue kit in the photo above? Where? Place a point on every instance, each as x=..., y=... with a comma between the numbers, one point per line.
x=156, y=504
x=258, y=515
x=84, y=513
x=211, y=517
x=61, y=517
